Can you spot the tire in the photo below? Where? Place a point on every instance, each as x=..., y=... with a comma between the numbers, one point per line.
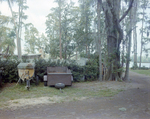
x=28, y=84
x=59, y=85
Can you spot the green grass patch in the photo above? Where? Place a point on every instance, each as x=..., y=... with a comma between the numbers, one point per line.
x=78, y=90
x=145, y=72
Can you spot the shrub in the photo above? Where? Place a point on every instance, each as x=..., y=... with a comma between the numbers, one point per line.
x=91, y=70
x=77, y=71
x=40, y=68
x=144, y=68
x=9, y=70
x=134, y=67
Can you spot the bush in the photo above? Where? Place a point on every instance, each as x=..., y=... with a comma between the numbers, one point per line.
x=41, y=68
x=91, y=70
x=77, y=71
x=134, y=67
x=9, y=70
x=143, y=68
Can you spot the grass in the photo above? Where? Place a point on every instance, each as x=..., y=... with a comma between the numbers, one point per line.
x=85, y=89
x=145, y=72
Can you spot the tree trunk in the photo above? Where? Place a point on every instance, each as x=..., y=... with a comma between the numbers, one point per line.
x=99, y=38
x=86, y=29
x=135, y=33
x=114, y=37
x=141, y=39
x=60, y=49
x=129, y=46
x=17, y=36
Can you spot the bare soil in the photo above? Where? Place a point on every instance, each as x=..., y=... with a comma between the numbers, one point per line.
x=132, y=103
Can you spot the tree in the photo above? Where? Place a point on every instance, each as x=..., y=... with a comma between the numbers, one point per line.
x=69, y=22
x=21, y=17
x=99, y=4
x=129, y=37
x=85, y=24
x=114, y=36
x=135, y=17
x=17, y=35
x=7, y=35
x=31, y=38
x=18, y=27
x=59, y=10
x=144, y=6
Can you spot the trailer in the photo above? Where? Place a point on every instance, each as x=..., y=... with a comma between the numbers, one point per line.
x=26, y=73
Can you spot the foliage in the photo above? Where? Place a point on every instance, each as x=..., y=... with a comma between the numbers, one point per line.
x=9, y=70
x=145, y=4
x=75, y=38
x=7, y=44
x=143, y=68
x=31, y=38
x=91, y=69
x=134, y=67
x=77, y=71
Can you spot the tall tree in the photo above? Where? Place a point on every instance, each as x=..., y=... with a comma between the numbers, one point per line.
x=99, y=4
x=144, y=6
x=135, y=19
x=69, y=19
x=17, y=35
x=21, y=16
x=7, y=44
x=114, y=36
x=85, y=24
x=18, y=26
x=129, y=37
x=31, y=39
x=60, y=48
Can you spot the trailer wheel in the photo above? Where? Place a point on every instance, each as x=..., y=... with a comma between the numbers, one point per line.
x=37, y=80
x=59, y=85
x=28, y=84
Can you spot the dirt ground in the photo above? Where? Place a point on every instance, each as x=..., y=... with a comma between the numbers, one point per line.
x=132, y=103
